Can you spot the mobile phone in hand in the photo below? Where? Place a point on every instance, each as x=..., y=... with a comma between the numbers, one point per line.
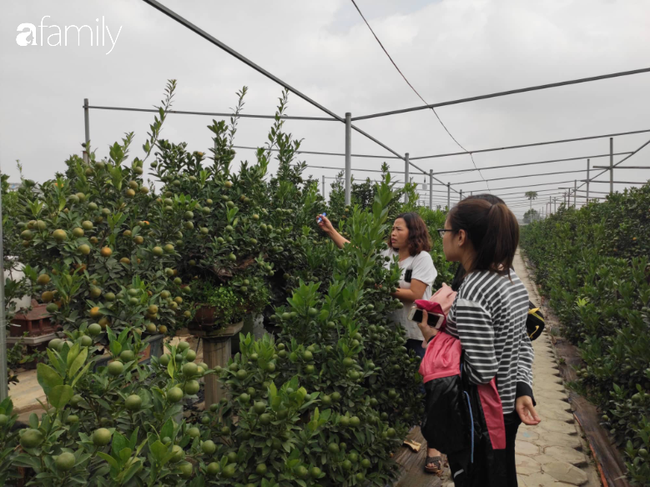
x=434, y=320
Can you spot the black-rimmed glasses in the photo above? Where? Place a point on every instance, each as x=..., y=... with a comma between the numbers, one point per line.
x=441, y=231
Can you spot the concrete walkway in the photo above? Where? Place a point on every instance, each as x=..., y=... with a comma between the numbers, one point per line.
x=553, y=452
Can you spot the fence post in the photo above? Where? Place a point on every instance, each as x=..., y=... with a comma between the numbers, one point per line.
x=348, y=158
x=4, y=389
x=86, y=131
x=431, y=189
x=406, y=176
x=588, y=163
x=611, y=165
x=448, y=196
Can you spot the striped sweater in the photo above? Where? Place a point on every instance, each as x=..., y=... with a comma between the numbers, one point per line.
x=489, y=317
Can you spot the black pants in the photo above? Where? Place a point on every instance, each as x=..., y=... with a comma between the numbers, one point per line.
x=502, y=464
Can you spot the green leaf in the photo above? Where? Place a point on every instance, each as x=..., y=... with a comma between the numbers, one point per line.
x=82, y=373
x=167, y=429
x=60, y=395
x=171, y=370
x=24, y=460
x=125, y=454
x=48, y=378
x=6, y=406
x=33, y=420
x=111, y=461
x=56, y=361
x=119, y=443
x=73, y=354
x=115, y=347
x=78, y=363
x=137, y=466
x=134, y=438
x=159, y=451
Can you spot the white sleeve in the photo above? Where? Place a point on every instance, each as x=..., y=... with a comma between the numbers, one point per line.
x=423, y=269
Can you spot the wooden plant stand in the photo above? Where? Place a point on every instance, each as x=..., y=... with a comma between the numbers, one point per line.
x=217, y=349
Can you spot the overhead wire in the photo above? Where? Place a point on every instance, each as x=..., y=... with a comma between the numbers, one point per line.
x=416, y=91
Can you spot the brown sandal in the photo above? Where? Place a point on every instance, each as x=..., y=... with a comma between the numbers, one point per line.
x=436, y=467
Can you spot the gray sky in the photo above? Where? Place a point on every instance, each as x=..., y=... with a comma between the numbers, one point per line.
x=447, y=48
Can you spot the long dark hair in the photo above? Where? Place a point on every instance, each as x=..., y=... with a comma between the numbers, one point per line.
x=419, y=238
x=493, y=231
x=460, y=271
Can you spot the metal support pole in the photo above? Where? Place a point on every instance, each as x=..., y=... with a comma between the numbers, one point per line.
x=448, y=196
x=323, y=186
x=550, y=204
x=460, y=195
x=575, y=191
x=611, y=165
x=348, y=158
x=406, y=176
x=4, y=389
x=87, y=132
x=554, y=205
x=431, y=189
x=588, y=163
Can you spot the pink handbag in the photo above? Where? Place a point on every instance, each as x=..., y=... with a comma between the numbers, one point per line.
x=444, y=297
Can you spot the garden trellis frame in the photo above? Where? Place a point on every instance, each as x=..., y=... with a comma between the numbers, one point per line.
x=348, y=119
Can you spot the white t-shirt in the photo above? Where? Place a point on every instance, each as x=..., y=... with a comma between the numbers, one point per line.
x=423, y=270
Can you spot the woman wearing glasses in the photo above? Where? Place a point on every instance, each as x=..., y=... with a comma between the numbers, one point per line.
x=489, y=317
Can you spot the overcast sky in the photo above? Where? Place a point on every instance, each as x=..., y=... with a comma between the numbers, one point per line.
x=447, y=49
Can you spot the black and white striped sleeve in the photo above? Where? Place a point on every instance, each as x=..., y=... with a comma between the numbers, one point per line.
x=525, y=368
x=476, y=334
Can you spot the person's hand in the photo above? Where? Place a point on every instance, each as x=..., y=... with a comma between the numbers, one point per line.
x=324, y=224
x=428, y=332
x=526, y=411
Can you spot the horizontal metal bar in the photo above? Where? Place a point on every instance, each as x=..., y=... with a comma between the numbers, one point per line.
x=520, y=192
x=535, y=144
x=622, y=167
x=549, y=161
x=505, y=93
x=354, y=169
x=213, y=114
x=320, y=153
x=525, y=187
x=395, y=181
x=522, y=176
x=594, y=192
x=615, y=182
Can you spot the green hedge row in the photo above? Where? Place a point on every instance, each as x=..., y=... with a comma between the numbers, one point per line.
x=593, y=265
